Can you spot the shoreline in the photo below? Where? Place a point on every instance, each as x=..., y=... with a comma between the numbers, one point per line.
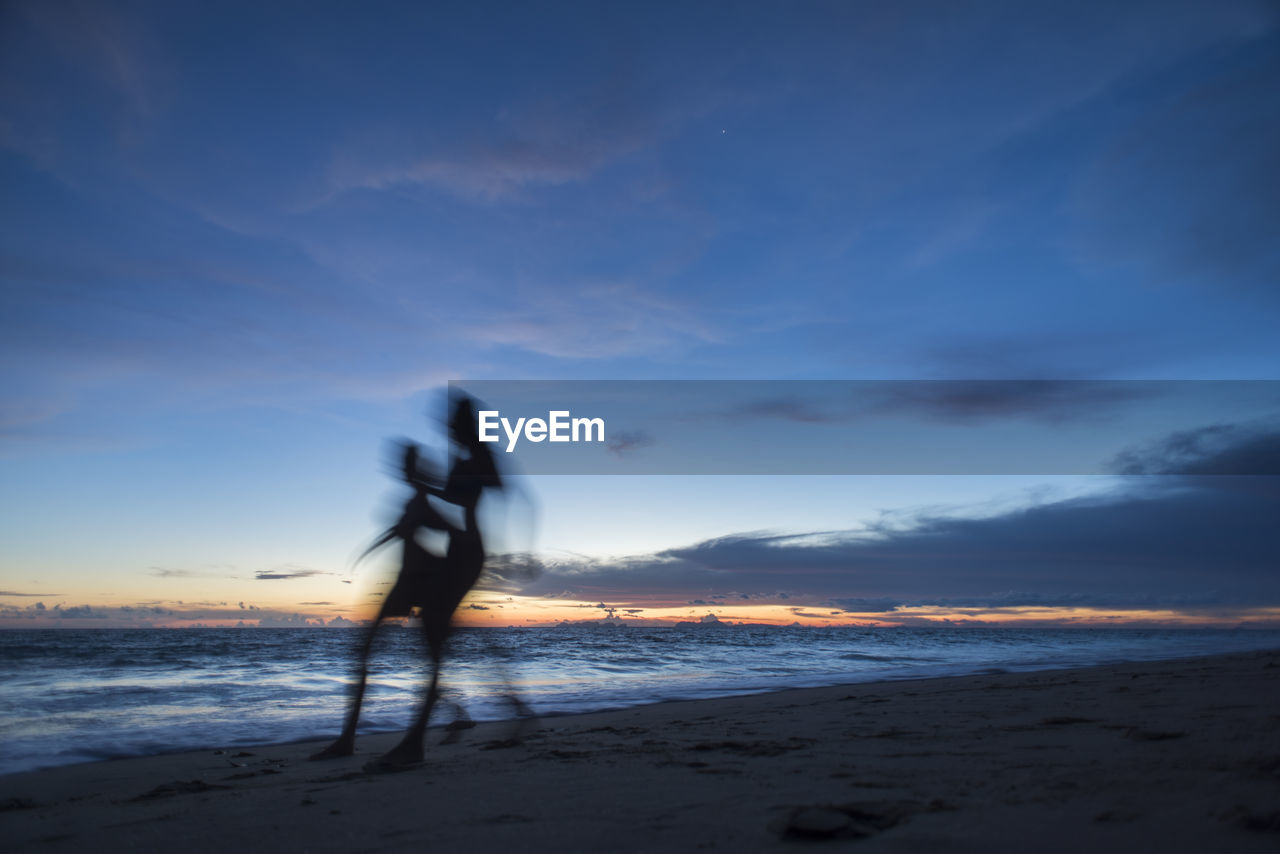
x=317, y=730
x=1182, y=753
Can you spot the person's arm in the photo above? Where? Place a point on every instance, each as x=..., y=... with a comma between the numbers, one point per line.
x=387, y=536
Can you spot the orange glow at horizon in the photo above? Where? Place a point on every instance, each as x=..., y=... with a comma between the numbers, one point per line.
x=519, y=611
x=489, y=608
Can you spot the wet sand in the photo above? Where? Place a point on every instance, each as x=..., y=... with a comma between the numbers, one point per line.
x=1164, y=756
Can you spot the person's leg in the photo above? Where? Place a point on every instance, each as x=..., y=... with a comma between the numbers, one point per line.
x=498, y=656
x=461, y=720
x=410, y=749
x=345, y=744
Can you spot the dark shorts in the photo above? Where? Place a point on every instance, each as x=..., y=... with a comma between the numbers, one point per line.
x=421, y=582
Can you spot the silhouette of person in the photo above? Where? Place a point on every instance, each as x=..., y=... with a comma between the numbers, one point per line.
x=435, y=585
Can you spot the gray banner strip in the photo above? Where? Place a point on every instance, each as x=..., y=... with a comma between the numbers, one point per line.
x=915, y=427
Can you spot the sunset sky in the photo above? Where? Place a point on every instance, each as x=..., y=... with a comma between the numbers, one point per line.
x=246, y=245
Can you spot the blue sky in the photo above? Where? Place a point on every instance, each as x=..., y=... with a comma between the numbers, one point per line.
x=242, y=246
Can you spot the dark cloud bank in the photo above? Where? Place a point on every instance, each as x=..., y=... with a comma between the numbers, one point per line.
x=951, y=401
x=1165, y=537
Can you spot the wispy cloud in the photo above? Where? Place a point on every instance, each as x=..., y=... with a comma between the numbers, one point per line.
x=546, y=142
x=1218, y=449
x=287, y=573
x=954, y=401
x=595, y=322
x=1184, y=191
x=624, y=442
x=144, y=614
x=106, y=50
x=77, y=612
x=171, y=572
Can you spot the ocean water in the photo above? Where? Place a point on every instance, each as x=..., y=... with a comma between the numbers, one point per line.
x=80, y=695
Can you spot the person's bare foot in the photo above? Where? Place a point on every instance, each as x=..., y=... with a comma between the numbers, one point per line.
x=453, y=732
x=342, y=747
x=520, y=707
x=524, y=714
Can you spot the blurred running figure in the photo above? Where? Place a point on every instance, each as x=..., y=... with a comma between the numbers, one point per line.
x=435, y=585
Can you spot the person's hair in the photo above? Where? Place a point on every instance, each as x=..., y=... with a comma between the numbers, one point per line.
x=409, y=463
x=462, y=424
